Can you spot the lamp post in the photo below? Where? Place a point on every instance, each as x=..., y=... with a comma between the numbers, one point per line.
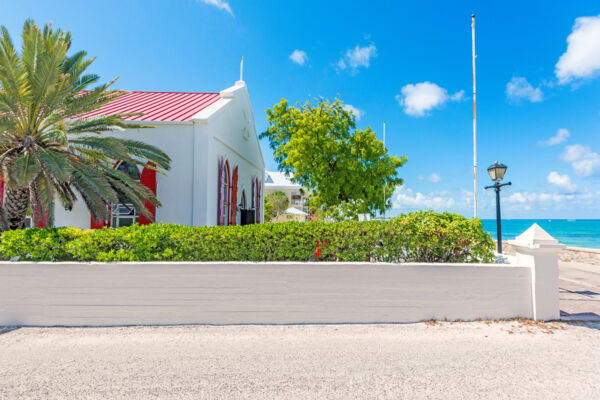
x=496, y=171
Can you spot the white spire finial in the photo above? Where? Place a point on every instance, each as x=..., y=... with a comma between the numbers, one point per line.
x=242, y=69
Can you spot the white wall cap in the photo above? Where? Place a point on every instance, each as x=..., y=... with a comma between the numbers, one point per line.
x=536, y=237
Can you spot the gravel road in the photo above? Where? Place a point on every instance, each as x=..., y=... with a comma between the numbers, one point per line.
x=509, y=360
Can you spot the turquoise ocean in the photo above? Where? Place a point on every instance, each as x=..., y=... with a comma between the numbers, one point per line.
x=572, y=232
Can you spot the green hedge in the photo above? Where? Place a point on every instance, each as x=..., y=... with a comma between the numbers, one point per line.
x=417, y=237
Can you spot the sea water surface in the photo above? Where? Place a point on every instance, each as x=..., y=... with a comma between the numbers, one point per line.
x=572, y=232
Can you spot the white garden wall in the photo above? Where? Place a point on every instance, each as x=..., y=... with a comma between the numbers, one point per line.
x=282, y=293
x=269, y=293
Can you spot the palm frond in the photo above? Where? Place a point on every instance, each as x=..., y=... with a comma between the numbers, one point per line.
x=46, y=148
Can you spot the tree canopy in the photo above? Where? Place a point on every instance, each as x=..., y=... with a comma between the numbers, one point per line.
x=320, y=145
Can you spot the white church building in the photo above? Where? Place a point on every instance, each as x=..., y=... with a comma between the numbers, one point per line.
x=217, y=168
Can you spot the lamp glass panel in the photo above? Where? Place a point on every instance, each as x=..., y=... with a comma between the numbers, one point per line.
x=500, y=172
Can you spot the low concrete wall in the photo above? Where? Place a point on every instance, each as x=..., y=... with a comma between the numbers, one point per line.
x=100, y=294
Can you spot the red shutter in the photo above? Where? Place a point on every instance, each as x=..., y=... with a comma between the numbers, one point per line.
x=233, y=205
x=95, y=224
x=148, y=179
x=220, y=194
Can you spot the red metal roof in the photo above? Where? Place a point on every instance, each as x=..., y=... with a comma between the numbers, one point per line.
x=157, y=106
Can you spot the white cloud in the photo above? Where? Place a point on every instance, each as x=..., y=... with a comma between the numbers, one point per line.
x=419, y=98
x=561, y=136
x=519, y=89
x=357, y=57
x=582, y=58
x=299, y=57
x=435, y=178
x=584, y=161
x=526, y=201
x=405, y=198
x=220, y=4
x=563, y=182
x=524, y=204
x=458, y=96
x=358, y=113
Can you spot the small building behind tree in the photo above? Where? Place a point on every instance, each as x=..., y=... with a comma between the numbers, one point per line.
x=296, y=194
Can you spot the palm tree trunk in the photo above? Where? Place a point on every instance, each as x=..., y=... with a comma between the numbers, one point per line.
x=16, y=203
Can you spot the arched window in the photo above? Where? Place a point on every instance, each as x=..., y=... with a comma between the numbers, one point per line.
x=124, y=213
x=226, y=196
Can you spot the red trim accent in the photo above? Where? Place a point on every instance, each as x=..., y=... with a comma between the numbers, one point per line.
x=95, y=224
x=260, y=203
x=39, y=221
x=225, y=171
x=1, y=189
x=252, y=196
x=148, y=179
x=234, y=179
x=228, y=196
x=257, y=207
x=220, y=192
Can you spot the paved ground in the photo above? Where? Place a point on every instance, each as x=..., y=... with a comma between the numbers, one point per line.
x=510, y=360
x=579, y=291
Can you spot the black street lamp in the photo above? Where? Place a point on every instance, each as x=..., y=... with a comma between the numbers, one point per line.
x=496, y=171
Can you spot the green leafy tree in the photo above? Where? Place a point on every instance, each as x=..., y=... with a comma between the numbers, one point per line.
x=344, y=211
x=46, y=151
x=268, y=210
x=276, y=203
x=336, y=162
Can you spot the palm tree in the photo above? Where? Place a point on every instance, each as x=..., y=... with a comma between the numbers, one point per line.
x=47, y=151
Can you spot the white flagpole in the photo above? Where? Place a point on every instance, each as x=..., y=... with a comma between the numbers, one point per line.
x=384, y=202
x=474, y=123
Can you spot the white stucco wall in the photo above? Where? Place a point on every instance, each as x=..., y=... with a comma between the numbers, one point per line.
x=238, y=293
x=173, y=190
x=229, y=132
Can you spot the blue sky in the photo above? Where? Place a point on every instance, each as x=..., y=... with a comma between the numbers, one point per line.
x=538, y=80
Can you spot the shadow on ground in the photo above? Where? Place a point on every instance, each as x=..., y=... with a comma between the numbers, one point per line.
x=585, y=324
x=6, y=329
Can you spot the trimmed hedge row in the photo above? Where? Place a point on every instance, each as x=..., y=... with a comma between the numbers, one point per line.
x=416, y=237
